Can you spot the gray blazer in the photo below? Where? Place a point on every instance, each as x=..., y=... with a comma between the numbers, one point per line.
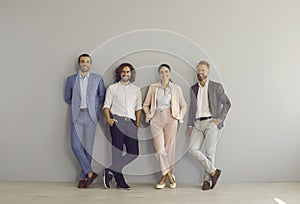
x=219, y=103
x=95, y=95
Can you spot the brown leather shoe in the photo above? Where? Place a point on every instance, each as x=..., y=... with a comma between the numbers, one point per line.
x=82, y=183
x=91, y=179
x=206, y=186
x=215, y=177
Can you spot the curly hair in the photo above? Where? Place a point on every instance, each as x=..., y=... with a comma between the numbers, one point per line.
x=119, y=70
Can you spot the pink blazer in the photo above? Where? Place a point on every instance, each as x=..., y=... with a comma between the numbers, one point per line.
x=178, y=104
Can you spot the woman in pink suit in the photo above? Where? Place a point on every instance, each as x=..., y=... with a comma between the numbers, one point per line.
x=164, y=106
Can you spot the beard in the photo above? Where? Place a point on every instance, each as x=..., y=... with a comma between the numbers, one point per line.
x=125, y=78
x=201, y=77
x=84, y=69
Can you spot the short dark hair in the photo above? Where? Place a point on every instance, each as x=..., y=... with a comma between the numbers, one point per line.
x=119, y=70
x=204, y=63
x=163, y=65
x=84, y=55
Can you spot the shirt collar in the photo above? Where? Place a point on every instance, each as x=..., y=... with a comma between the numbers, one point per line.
x=123, y=84
x=160, y=85
x=87, y=76
x=205, y=85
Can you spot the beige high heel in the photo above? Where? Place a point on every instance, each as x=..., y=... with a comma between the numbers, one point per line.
x=172, y=185
x=161, y=185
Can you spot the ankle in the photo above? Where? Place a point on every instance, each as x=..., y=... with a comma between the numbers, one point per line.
x=170, y=177
x=90, y=174
x=163, y=179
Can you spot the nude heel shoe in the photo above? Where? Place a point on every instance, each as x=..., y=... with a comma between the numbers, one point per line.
x=162, y=183
x=173, y=185
x=160, y=186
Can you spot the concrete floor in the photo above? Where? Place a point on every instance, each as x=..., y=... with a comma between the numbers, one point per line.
x=224, y=193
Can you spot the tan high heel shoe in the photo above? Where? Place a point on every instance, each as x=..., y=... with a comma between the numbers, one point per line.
x=172, y=181
x=162, y=183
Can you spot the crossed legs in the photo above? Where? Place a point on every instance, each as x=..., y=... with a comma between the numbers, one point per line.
x=205, y=133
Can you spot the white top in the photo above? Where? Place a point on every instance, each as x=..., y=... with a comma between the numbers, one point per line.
x=202, y=101
x=163, y=99
x=83, y=89
x=123, y=100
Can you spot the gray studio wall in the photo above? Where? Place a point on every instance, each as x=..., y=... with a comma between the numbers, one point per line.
x=253, y=45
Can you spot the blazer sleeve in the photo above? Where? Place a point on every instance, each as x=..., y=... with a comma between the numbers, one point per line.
x=147, y=102
x=224, y=100
x=68, y=91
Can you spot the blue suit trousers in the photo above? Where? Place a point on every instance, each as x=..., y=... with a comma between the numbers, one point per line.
x=82, y=141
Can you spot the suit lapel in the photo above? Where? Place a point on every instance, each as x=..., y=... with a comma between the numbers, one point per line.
x=155, y=92
x=77, y=87
x=195, y=89
x=90, y=84
x=76, y=97
x=173, y=94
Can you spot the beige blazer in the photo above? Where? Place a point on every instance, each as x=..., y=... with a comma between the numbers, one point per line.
x=178, y=104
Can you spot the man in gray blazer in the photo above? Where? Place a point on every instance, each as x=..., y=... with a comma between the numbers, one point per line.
x=208, y=110
x=84, y=92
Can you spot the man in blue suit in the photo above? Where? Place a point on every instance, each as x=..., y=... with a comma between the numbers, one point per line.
x=84, y=92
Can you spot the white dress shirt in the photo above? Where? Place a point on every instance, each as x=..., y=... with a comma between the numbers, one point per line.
x=123, y=100
x=83, y=89
x=202, y=101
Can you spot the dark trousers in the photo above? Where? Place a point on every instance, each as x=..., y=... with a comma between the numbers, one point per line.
x=123, y=132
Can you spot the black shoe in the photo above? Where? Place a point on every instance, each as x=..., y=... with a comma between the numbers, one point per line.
x=107, y=178
x=121, y=183
x=215, y=178
x=206, y=186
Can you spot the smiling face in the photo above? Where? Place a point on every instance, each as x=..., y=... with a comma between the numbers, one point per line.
x=164, y=73
x=125, y=74
x=85, y=64
x=202, y=72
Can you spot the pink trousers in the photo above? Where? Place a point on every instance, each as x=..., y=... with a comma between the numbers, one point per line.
x=164, y=130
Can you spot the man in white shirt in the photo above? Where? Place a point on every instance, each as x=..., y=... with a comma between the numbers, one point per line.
x=208, y=110
x=122, y=109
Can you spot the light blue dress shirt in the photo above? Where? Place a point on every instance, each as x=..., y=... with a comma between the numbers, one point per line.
x=163, y=99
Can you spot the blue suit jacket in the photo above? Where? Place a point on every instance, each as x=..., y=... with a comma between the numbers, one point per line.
x=95, y=95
